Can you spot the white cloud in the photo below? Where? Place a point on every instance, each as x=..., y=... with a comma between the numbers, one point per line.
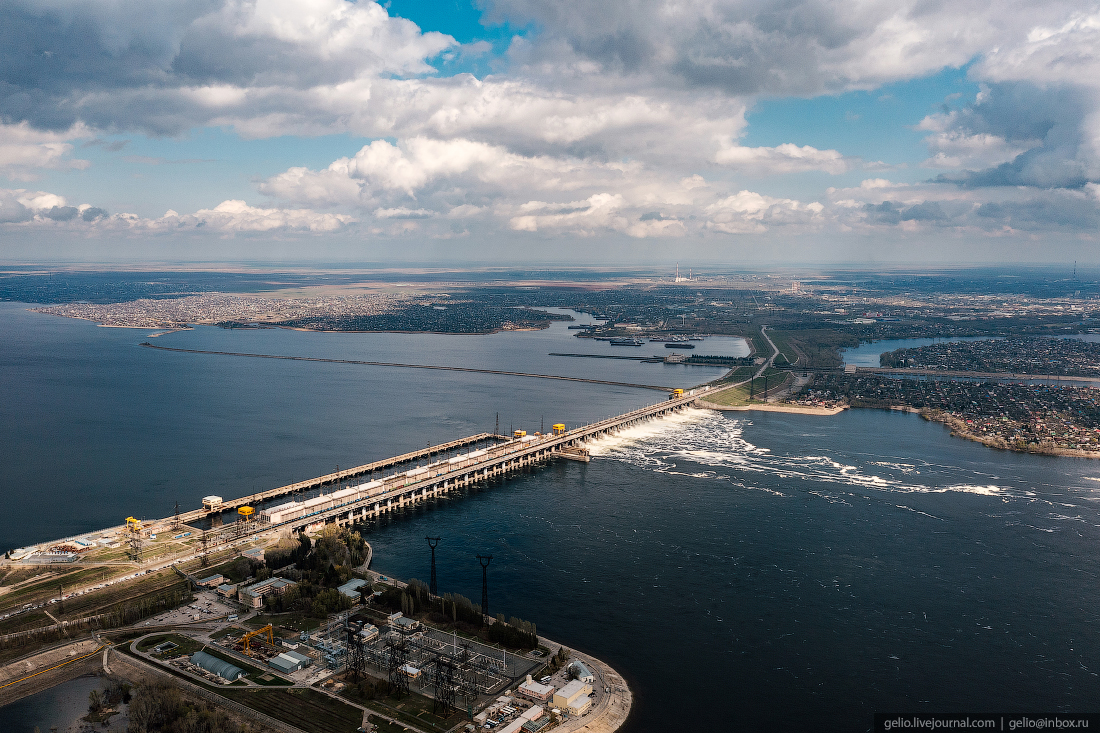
x=25, y=151
x=748, y=212
x=786, y=158
x=1057, y=50
x=24, y=208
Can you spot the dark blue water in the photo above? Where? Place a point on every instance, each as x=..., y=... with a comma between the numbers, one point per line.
x=103, y=429
x=787, y=572
x=60, y=706
x=760, y=572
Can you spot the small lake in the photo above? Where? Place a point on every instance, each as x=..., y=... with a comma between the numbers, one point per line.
x=59, y=706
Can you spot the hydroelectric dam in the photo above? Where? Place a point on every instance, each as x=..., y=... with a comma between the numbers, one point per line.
x=388, y=488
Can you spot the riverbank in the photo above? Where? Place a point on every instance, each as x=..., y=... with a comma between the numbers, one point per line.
x=774, y=407
x=960, y=429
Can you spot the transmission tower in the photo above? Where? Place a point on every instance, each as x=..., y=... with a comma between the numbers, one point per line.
x=397, y=652
x=176, y=523
x=203, y=560
x=496, y=430
x=356, y=660
x=444, y=683
x=433, y=587
x=484, y=560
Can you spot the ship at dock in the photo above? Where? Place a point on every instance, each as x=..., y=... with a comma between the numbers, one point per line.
x=626, y=342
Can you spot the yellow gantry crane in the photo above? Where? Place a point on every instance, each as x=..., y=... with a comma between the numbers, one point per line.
x=258, y=632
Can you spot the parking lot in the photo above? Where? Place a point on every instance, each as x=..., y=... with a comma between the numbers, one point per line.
x=207, y=606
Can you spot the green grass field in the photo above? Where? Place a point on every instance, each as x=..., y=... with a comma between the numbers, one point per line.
x=738, y=396
x=787, y=354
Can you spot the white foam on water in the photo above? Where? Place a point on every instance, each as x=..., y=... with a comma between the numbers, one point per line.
x=710, y=439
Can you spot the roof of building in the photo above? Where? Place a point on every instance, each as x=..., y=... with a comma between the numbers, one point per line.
x=286, y=666
x=573, y=688
x=274, y=583
x=297, y=656
x=227, y=588
x=220, y=667
x=351, y=588
x=212, y=579
x=537, y=688
x=579, y=669
x=405, y=621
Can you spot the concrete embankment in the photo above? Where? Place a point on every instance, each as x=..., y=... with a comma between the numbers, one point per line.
x=44, y=669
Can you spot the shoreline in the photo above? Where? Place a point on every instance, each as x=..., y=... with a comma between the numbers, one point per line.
x=958, y=429
x=776, y=407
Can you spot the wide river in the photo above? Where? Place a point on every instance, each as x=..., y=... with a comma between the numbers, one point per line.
x=744, y=572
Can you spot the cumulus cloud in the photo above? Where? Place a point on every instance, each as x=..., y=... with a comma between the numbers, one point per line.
x=800, y=47
x=64, y=62
x=40, y=208
x=25, y=151
x=1018, y=134
x=786, y=158
x=747, y=212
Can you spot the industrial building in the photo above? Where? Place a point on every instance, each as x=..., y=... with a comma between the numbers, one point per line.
x=227, y=590
x=292, y=510
x=527, y=721
x=288, y=662
x=253, y=595
x=535, y=690
x=220, y=667
x=573, y=698
x=351, y=588
x=580, y=672
x=406, y=623
x=213, y=581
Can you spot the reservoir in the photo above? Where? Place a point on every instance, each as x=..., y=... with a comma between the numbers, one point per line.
x=744, y=571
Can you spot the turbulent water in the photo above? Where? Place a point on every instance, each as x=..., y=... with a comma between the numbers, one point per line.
x=744, y=571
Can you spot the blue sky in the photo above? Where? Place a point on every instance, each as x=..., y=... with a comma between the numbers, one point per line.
x=323, y=128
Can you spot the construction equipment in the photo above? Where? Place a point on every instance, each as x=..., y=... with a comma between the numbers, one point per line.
x=133, y=529
x=258, y=632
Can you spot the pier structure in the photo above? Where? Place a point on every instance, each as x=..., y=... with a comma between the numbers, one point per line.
x=401, y=490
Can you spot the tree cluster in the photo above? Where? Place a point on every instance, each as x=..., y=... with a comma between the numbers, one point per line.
x=160, y=707
x=515, y=633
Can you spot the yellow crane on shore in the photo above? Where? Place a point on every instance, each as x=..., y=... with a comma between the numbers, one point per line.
x=268, y=630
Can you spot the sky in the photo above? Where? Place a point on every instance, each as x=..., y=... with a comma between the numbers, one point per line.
x=524, y=131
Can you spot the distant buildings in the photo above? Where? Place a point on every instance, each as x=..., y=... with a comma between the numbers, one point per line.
x=253, y=595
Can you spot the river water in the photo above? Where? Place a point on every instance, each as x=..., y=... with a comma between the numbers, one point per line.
x=752, y=571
